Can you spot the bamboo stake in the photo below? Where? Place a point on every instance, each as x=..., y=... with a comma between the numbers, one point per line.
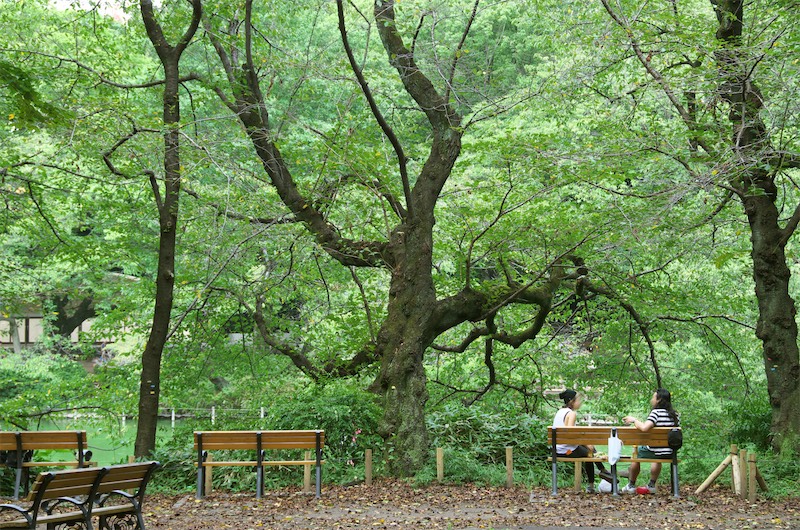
x=714, y=475
x=307, y=474
x=439, y=464
x=751, y=490
x=742, y=473
x=368, y=467
x=509, y=467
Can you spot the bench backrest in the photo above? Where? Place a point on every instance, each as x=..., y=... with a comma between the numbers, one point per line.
x=579, y=435
x=248, y=440
x=71, y=483
x=127, y=477
x=34, y=440
x=630, y=436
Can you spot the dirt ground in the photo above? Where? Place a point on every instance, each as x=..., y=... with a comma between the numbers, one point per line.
x=396, y=505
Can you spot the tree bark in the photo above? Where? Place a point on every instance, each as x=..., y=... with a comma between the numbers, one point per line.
x=751, y=147
x=66, y=322
x=167, y=204
x=777, y=327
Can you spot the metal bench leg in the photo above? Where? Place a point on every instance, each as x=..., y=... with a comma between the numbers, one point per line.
x=614, y=481
x=555, y=478
x=17, y=483
x=674, y=475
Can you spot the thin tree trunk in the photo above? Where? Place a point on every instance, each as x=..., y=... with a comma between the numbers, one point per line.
x=150, y=382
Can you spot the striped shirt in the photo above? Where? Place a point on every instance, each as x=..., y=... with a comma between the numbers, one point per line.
x=661, y=418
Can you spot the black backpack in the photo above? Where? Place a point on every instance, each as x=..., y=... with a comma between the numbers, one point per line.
x=675, y=439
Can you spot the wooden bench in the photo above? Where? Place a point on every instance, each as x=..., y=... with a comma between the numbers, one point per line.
x=117, y=508
x=70, y=499
x=50, y=493
x=20, y=445
x=258, y=441
x=596, y=435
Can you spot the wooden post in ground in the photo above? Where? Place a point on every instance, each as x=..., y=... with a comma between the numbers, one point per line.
x=439, y=464
x=509, y=467
x=735, y=468
x=752, y=483
x=209, y=470
x=714, y=475
x=578, y=476
x=131, y=459
x=742, y=491
x=761, y=482
x=307, y=474
x=368, y=467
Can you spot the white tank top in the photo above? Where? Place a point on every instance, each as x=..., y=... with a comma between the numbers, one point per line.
x=558, y=421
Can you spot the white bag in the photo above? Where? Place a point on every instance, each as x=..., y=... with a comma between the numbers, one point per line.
x=614, y=449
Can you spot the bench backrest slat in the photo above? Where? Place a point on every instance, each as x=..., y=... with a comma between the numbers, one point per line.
x=595, y=435
x=33, y=440
x=71, y=483
x=248, y=440
x=125, y=476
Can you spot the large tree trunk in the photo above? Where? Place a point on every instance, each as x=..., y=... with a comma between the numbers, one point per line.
x=405, y=334
x=150, y=381
x=751, y=148
x=777, y=327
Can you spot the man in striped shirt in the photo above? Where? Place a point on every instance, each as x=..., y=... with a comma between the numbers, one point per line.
x=661, y=415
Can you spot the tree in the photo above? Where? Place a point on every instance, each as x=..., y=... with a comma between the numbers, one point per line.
x=416, y=314
x=748, y=157
x=167, y=204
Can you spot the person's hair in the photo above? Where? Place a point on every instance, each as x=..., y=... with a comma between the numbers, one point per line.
x=568, y=395
x=664, y=401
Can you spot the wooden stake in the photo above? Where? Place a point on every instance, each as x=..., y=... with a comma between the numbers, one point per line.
x=368, y=467
x=735, y=468
x=307, y=474
x=439, y=464
x=131, y=459
x=761, y=482
x=742, y=491
x=751, y=489
x=714, y=475
x=509, y=467
x=209, y=470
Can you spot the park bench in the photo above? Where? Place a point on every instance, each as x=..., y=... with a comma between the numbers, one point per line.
x=597, y=435
x=258, y=441
x=18, y=448
x=70, y=499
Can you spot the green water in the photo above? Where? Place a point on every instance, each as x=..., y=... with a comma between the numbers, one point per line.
x=110, y=442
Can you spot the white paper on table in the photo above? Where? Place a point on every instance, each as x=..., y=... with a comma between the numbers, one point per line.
x=614, y=449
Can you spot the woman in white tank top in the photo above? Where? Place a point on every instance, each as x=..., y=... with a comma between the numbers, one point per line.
x=566, y=417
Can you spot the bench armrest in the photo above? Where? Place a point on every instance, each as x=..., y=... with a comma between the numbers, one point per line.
x=124, y=494
x=19, y=509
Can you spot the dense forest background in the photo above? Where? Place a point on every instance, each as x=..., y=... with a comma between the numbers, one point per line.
x=409, y=223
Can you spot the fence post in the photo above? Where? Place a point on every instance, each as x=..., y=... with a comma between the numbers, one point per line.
x=509, y=467
x=742, y=473
x=172, y=418
x=209, y=469
x=752, y=484
x=262, y=413
x=307, y=474
x=213, y=415
x=368, y=467
x=735, y=468
x=439, y=464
